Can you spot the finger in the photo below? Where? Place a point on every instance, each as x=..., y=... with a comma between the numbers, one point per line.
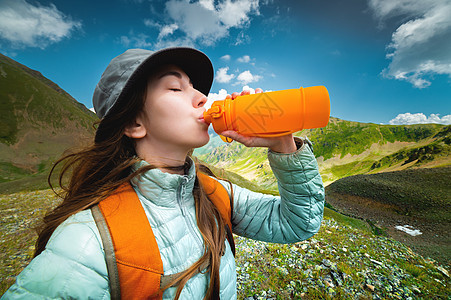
x=258, y=90
x=233, y=135
x=247, y=141
x=234, y=95
x=245, y=92
x=228, y=97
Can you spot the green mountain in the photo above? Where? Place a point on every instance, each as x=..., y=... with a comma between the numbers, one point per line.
x=345, y=260
x=345, y=148
x=418, y=197
x=38, y=122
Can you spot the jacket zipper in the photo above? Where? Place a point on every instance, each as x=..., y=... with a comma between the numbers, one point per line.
x=180, y=192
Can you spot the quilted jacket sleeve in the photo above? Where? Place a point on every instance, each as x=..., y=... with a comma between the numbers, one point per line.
x=73, y=258
x=294, y=216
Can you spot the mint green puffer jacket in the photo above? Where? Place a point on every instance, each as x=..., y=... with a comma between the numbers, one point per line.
x=73, y=264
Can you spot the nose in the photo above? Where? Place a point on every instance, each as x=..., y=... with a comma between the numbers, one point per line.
x=199, y=99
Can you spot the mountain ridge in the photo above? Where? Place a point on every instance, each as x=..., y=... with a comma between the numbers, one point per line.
x=345, y=148
x=39, y=122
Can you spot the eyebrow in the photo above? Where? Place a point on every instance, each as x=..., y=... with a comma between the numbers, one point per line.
x=169, y=73
x=173, y=73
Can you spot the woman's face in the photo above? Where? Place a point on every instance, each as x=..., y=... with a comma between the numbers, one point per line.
x=173, y=111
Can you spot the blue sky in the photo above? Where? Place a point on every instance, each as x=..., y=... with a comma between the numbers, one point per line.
x=383, y=61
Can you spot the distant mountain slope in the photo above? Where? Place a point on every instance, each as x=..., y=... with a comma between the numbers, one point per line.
x=345, y=148
x=419, y=197
x=38, y=122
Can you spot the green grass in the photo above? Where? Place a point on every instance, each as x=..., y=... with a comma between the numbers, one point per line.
x=20, y=213
x=349, y=221
x=43, y=118
x=9, y=172
x=417, y=192
x=340, y=262
x=341, y=137
x=353, y=255
x=419, y=155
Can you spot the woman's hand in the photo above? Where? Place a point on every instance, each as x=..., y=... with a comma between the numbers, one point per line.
x=281, y=144
x=245, y=92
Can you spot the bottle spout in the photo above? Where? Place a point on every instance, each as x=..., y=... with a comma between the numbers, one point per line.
x=207, y=117
x=214, y=112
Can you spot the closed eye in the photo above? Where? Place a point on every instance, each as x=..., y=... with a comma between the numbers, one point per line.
x=176, y=90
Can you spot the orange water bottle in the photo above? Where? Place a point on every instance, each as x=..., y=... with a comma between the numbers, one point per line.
x=271, y=114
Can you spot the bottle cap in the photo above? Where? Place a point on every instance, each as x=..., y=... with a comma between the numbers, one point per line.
x=316, y=107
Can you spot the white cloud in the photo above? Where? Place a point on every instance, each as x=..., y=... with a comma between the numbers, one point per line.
x=252, y=90
x=247, y=77
x=247, y=88
x=420, y=118
x=152, y=23
x=206, y=22
x=226, y=57
x=235, y=13
x=208, y=4
x=244, y=59
x=221, y=95
x=27, y=25
x=179, y=41
x=167, y=30
x=242, y=38
x=135, y=40
x=222, y=76
x=421, y=46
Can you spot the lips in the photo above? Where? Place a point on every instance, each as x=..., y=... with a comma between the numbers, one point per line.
x=201, y=119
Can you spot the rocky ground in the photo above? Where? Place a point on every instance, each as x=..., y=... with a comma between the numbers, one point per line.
x=434, y=240
x=340, y=262
x=20, y=213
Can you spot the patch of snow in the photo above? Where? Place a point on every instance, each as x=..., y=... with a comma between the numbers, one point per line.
x=409, y=230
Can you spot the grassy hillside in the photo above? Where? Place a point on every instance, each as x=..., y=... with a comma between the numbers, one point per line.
x=345, y=260
x=341, y=138
x=38, y=122
x=346, y=148
x=420, y=198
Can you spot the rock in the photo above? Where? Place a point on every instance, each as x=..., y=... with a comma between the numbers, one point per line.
x=283, y=270
x=328, y=282
x=326, y=263
x=444, y=271
x=369, y=287
x=338, y=279
x=376, y=262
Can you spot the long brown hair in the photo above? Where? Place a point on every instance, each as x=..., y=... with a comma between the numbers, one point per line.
x=98, y=170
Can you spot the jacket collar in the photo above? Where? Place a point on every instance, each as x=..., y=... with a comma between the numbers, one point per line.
x=161, y=188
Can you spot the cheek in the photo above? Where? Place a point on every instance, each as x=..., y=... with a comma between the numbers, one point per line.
x=167, y=115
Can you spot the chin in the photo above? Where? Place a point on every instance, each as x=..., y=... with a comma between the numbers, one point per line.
x=203, y=142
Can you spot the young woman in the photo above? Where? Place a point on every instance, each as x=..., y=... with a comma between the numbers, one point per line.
x=151, y=107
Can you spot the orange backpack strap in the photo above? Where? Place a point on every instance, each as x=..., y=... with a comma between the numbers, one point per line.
x=134, y=264
x=132, y=236
x=223, y=202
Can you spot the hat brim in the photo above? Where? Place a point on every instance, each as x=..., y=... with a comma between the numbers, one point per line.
x=193, y=62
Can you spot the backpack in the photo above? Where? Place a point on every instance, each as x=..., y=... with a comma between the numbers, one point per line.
x=141, y=276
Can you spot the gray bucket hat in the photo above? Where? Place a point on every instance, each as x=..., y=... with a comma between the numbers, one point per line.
x=134, y=65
